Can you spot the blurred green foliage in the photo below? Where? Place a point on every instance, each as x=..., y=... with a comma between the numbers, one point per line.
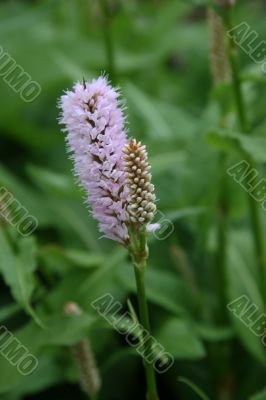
x=161, y=64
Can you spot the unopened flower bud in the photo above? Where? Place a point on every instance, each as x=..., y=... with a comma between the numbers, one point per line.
x=141, y=200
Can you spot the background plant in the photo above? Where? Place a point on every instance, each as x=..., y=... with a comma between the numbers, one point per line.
x=161, y=63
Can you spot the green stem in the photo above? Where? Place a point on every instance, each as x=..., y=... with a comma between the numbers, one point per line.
x=236, y=80
x=222, y=236
x=139, y=253
x=144, y=319
x=257, y=230
x=107, y=31
x=244, y=125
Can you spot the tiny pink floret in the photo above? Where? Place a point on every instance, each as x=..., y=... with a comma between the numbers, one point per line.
x=94, y=123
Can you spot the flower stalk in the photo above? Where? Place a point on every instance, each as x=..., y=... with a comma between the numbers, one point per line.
x=245, y=128
x=220, y=72
x=141, y=208
x=115, y=173
x=139, y=254
x=109, y=46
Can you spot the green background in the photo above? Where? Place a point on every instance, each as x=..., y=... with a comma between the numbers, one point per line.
x=161, y=64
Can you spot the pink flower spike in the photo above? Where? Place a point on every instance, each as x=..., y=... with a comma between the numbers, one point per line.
x=94, y=122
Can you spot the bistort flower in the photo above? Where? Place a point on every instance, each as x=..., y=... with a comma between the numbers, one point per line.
x=217, y=48
x=94, y=122
x=83, y=354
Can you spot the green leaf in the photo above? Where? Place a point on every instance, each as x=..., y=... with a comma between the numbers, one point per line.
x=54, y=183
x=76, y=257
x=61, y=330
x=163, y=288
x=254, y=73
x=113, y=261
x=261, y=395
x=49, y=373
x=166, y=161
x=238, y=142
x=223, y=140
x=28, y=197
x=254, y=146
x=184, y=212
x=194, y=387
x=111, y=360
x=146, y=107
x=8, y=311
x=214, y=333
x=18, y=270
x=179, y=339
x=241, y=279
x=66, y=330
x=69, y=66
